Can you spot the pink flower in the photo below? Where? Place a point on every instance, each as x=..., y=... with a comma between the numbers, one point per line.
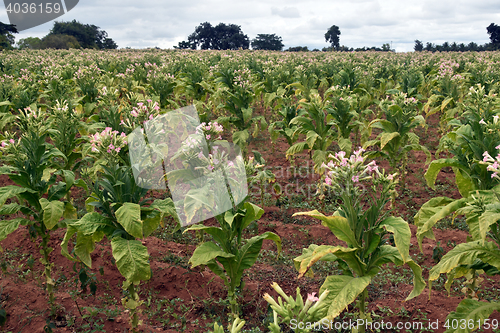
x=210, y=168
x=312, y=298
x=328, y=181
x=208, y=136
x=117, y=149
x=230, y=163
x=12, y=141
x=4, y=144
x=355, y=179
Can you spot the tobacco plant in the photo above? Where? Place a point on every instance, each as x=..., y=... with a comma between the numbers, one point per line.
x=397, y=138
x=229, y=254
x=364, y=224
x=119, y=211
x=33, y=165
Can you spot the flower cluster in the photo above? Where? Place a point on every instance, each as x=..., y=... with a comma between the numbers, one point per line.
x=345, y=174
x=211, y=131
x=107, y=142
x=495, y=167
x=141, y=113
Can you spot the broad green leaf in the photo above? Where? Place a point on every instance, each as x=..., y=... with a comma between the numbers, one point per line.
x=9, y=209
x=345, y=144
x=436, y=166
x=166, y=207
x=471, y=311
x=307, y=254
x=347, y=254
x=253, y=213
x=311, y=138
x=418, y=280
x=197, y=199
x=9, y=191
x=247, y=256
x=485, y=220
x=9, y=226
x=466, y=254
x=343, y=290
x=207, y=252
x=91, y=223
x=464, y=183
x=131, y=259
x=129, y=216
x=216, y=232
x=296, y=148
x=402, y=234
x=52, y=212
x=89, y=200
x=385, y=138
x=47, y=173
x=433, y=211
x=151, y=223
x=338, y=225
x=240, y=138
x=70, y=212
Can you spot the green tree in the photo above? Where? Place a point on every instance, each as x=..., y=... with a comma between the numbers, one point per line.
x=221, y=37
x=29, y=43
x=494, y=32
x=332, y=36
x=419, y=46
x=267, y=42
x=87, y=35
x=6, y=35
x=59, y=42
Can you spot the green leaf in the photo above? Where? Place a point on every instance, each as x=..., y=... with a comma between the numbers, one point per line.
x=197, y=199
x=296, y=148
x=418, y=280
x=90, y=223
x=338, y=225
x=151, y=223
x=9, y=226
x=52, y=212
x=9, y=191
x=207, y=252
x=433, y=211
x=466, y=254
x=385, y=138
x=129, y=216
x=311, y=138
x=485, y=220
x=131, y=259
x=464, y=183
x=240, y=138
x=436, y=166
x=247, y=255
x=347, y=254
x=343, y=290
x=70, y=212
x=253, y=213
x=402, y=234
x=470, y=311
x=10, y=209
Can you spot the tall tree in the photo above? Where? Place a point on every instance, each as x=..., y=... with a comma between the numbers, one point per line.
x=419, y=46
x=87, y=35
x=6, y=35
x=332, y=36
x=267, y=42
x=221, y=37
x=494, y=32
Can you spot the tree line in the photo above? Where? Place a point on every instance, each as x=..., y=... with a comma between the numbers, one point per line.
x=64, y=35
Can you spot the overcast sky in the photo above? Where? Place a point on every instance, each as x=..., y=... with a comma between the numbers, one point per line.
x=150, y=23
